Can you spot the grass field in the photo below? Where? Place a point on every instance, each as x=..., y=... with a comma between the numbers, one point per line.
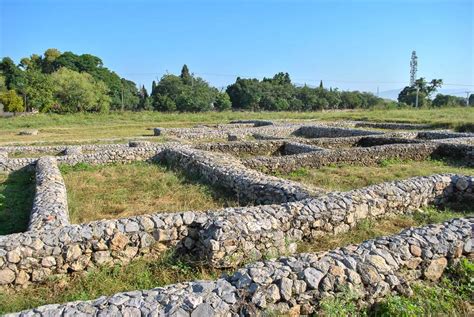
x=87, y=127
x=168, y=269
x=16, y=199
x=347, y=177
x=116, y=191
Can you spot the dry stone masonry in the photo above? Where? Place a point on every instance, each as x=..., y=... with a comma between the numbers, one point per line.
x=278, y=214
x=50, y=208
x=295, y=284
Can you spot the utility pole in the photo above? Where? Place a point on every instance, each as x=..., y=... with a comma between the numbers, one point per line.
x=122, y=97
x=416, y=100
x=468, y=93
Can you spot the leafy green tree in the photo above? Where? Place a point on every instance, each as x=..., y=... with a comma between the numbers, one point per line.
x=3, y=84
x=245, y=94
x=77, y=92
x=39, y=90
x=14, y=77
x=425, y=89
x=11, y=101
x=471, y=100
x=222, y=102
x=164, y=103
x=448, y=101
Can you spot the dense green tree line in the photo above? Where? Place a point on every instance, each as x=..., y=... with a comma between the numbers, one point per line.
x=67, y=83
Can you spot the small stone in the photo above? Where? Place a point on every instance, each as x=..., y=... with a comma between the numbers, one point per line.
x=273, y=293
x=101, y=257
x=7, y=276
x=313, y=277
x=73, y=252
x=28, y=132
x=21, y=278
x=157, y=131
x=203, y=310
x=119, y=241
x=462, y=184
x=13, y=256
x=286, y=286
x=48, y=261
x=415, y=250
x=132, y=226
x=436, y=268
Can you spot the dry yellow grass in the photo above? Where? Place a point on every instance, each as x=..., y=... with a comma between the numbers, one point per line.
x=116, y=191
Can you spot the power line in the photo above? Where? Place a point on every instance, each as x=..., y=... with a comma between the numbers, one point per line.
x=342, y=81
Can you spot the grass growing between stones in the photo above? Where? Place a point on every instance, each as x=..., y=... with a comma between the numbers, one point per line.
x=115, y=191
x=346, y=177
x=370, y=229
x=16, y=199
x=138, y=274
x=452, y=296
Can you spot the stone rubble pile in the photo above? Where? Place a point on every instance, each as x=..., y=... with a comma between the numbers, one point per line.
x=295, y=284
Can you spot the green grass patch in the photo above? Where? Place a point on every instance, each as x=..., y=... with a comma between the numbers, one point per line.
x=373, y=228
x=17, y=192
x=32, y=154
x=123, y=190
x=107, y=280
x=344, y=177
x=89, y=126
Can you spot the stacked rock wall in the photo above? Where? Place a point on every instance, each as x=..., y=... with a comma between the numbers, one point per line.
x=232, y=238
x=295, y=284
x=316, y=131
x=113, y=155
x=221, y=237
x=227, y=172
x=50, y=208
x=360, y=156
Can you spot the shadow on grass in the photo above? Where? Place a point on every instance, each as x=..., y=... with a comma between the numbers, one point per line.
x=17, y=192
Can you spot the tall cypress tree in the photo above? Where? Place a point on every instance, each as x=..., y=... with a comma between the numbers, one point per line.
x=321, y=84
x=185, y=75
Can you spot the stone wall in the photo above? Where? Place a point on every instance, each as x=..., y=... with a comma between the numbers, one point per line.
x=50, y=209
x=110, y=155
x=248, y=234
x=219, y=237
x=320, y=131
x=227, y=172
x=295, y=284
x=291, y=148
x=431, y=135
x=360, y=156
x=240, y=148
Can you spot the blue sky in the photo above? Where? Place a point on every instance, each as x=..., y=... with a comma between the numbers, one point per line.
x=348, y=44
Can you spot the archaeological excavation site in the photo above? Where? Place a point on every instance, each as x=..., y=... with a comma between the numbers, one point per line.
x=285, y=217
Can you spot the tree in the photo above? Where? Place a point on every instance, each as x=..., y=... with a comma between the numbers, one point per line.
x=222, y=102
x=321, y=85
x=39, y=90
x=245, y=94
x=448, y=101
x=76, y=92
x=185, y=75
x=424, y=90
x=144, y=100
x=11, y=101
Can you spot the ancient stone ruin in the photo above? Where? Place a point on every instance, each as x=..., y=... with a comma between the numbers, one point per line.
x=243, y=158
